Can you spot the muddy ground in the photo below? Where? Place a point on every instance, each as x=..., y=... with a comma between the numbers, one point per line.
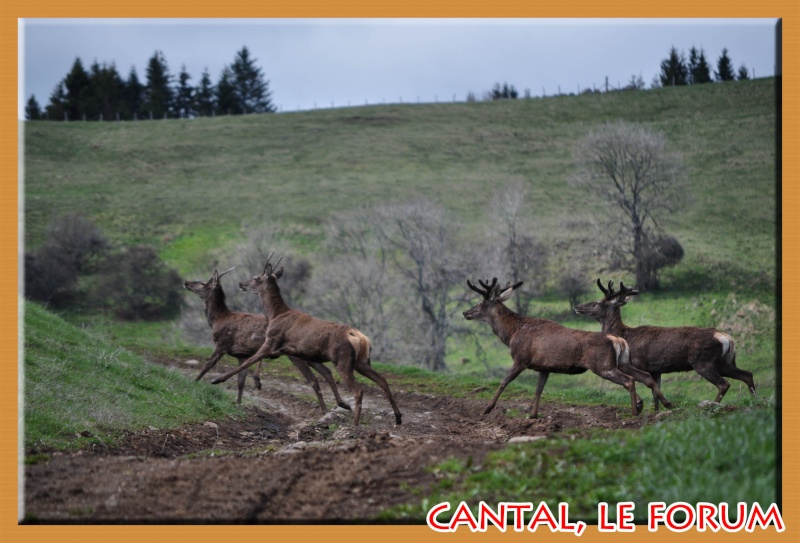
x=282, y=461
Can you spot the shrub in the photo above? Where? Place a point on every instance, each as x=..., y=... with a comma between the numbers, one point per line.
x=136, y=284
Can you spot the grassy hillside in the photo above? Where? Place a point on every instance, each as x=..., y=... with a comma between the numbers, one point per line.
x=188, y=186
x=80, y=388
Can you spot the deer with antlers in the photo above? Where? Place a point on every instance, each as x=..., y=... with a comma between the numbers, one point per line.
x=295, y=333
x=659, y=350
x=240, y=335
x=547, y=347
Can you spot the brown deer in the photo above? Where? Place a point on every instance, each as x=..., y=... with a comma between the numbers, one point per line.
x=292, y=332
x=659, y=350
x=547, y=347
x=241, y=334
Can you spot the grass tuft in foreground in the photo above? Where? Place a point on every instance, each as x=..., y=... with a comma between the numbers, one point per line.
x=81, y=389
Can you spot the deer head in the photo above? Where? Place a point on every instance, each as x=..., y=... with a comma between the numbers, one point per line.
x=259, y=282
x=602, y=308
x=204, y=289
x=493, y=296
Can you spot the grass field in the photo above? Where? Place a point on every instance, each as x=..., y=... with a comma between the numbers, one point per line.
x=193, y=187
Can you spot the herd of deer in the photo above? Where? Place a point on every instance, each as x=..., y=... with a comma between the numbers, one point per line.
x=618, y=353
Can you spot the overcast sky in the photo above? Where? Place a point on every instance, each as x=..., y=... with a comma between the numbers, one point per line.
x=318, y=63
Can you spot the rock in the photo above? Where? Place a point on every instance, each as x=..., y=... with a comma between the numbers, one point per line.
x=525, y=439
x=211, y=424
x=191, y=362
x=709, y=403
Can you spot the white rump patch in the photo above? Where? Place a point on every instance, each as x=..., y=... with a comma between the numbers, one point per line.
x=726, y=341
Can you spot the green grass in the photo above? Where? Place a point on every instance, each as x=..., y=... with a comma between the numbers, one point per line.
x=80, y=389
x=188, y=186
x=704, y=457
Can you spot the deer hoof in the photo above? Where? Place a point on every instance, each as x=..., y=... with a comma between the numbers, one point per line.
x=639, y=406
x=487, y=410
x=258, y=382
x=344, y=405
x=398, y=419
x=216, y=381
x=668, y=405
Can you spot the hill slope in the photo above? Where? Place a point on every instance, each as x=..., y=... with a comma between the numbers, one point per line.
x=189, y=185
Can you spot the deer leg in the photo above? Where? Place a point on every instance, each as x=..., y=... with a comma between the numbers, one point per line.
x=256, y=378
x=242, y=378
x=326, y=373
x=302, y=366
x=657, y=379
x=646, y=379
x=218, y=353
x=367, y=371
x=543, y=375
x=745, y=376
x=266, y=350
x=616, y=376
x=345, y=371
x=516, y=369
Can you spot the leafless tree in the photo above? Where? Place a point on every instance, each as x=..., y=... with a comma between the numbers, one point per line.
x=635, y=181
x=420, y=238
x=366, y=291
x=517, y=252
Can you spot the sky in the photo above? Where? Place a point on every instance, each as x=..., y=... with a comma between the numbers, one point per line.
x=322, y=63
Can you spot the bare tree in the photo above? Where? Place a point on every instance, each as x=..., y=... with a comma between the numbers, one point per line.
x=517, y=253
x=627, y=168
x=420, y=239
x=366, y=291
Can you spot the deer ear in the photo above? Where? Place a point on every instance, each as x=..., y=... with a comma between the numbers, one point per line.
x=506, y=294
x=278, y=273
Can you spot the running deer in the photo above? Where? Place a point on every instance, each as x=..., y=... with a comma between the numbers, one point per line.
x=659, y=350
x=547, y=347
x=292, y=332
x=241, y=334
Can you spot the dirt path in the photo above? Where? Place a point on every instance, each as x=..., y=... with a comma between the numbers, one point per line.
x=283, y=462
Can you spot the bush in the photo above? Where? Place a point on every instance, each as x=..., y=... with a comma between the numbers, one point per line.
x=70, y=248
x=136, y=284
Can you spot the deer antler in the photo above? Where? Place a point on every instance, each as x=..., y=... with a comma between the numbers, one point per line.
x=487, y=287
x=601, y=287
x=267, y=263
x=223, y=273
x=627, y=290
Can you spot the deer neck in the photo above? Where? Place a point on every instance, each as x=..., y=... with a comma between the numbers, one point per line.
x=505, y=323
x=216, y=306
x=613, y=323
x=273, y=302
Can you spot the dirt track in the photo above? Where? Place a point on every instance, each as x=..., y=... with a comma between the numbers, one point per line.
x=284, y=462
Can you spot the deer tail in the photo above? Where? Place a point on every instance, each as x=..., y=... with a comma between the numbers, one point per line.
x=361, y=345
x=728, y=347
x=622, y=350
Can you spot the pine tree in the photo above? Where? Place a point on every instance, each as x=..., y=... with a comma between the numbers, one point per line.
x=184, y=95
x=158, y=92
x=133, y=96
x=226, y=93
x=251, y=90
x=76, y=84
x=673, y=69
x=204, y=95
x=694, y=60
x=724, y=67
x=703, y=72
x=32, y=110
x=57, y=107
x=743, y=73
x=106, y=91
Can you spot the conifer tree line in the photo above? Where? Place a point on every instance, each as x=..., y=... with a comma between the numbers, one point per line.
x=101, y=93
x=678, y=70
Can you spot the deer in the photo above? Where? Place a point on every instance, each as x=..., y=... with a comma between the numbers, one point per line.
x=296, y=333
x=548, y=347
x=660, y=350
x=240, y=335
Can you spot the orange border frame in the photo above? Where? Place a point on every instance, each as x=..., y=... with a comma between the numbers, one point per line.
x=12, y=10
